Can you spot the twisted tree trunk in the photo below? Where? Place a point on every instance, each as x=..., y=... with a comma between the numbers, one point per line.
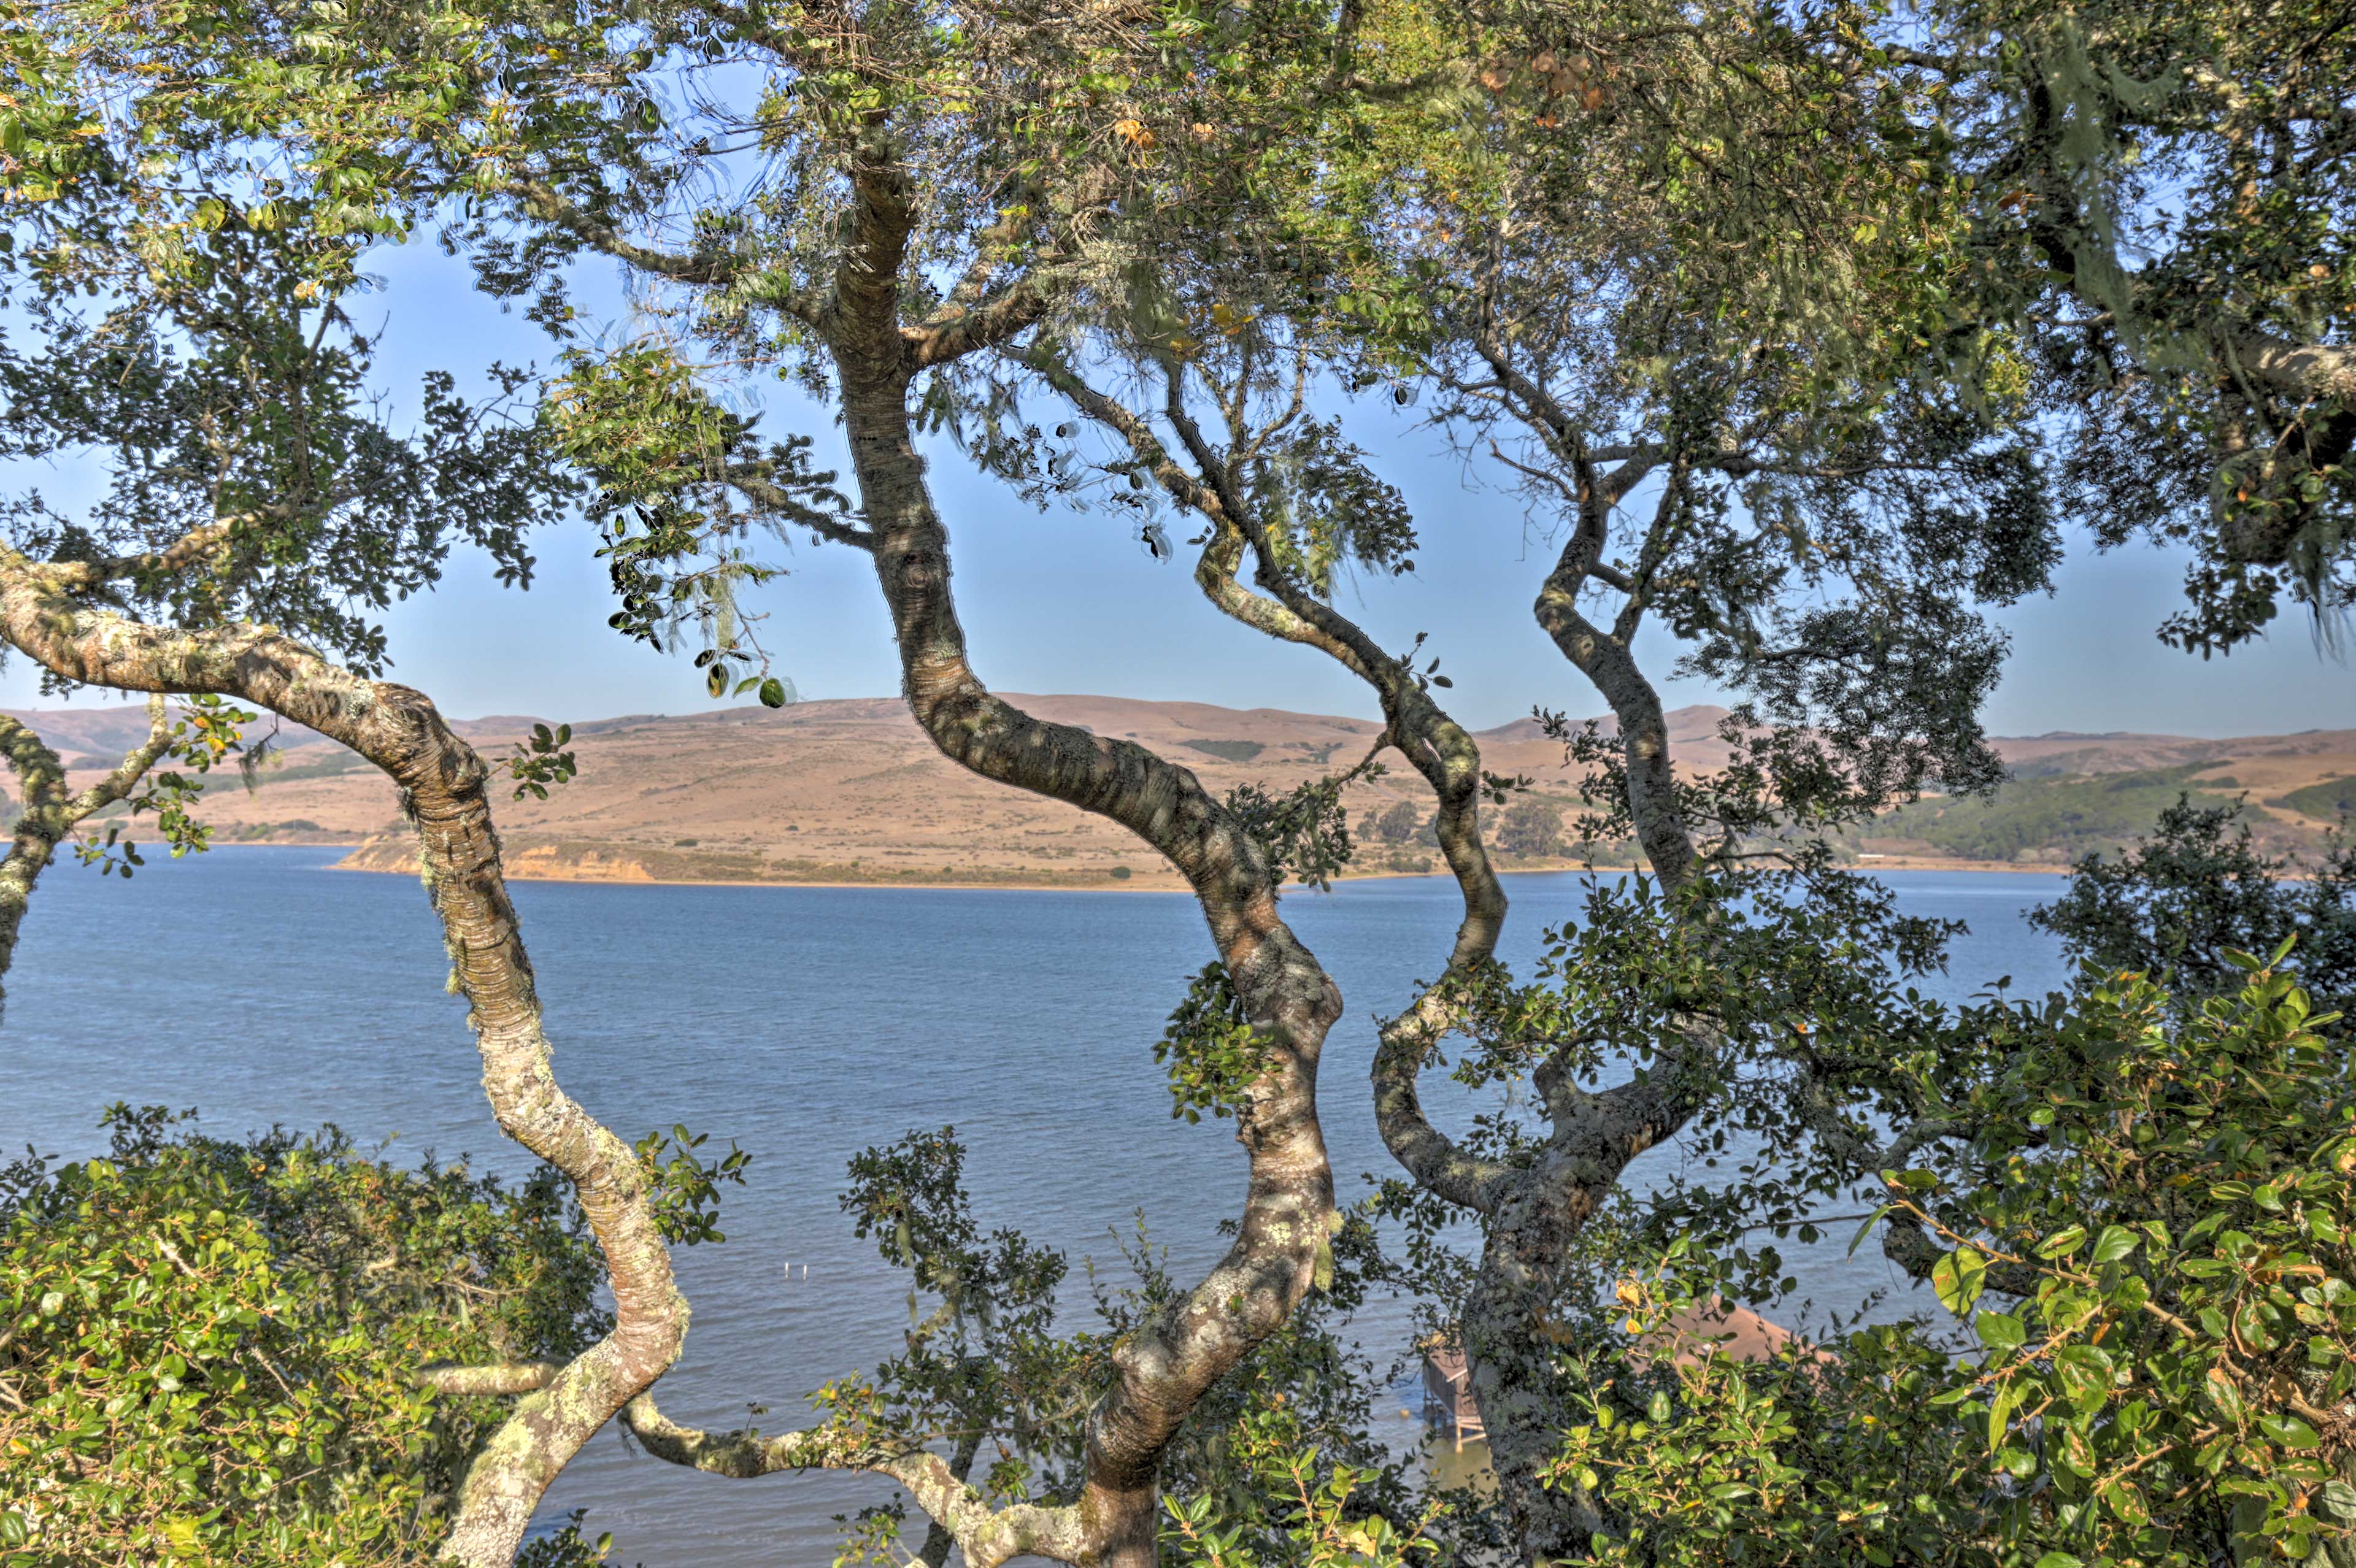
x=443, y=793
x=1170, y=1362
x=1166, y=1369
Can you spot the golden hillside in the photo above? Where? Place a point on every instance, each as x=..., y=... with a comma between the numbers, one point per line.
x=851, y=791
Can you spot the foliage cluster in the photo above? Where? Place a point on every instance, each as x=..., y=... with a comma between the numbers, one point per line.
x=2144, y=1230
x=210, y=1345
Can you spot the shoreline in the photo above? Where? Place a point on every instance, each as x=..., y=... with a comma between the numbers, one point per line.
x=1016, y=883
x=913, y=887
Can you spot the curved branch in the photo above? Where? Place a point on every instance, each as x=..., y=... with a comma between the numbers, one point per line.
x=986, y=1536
x=444, y=793
x=1436, y=1161
x=84, y=576
x=757, y=482
x=960, y=330
x=118, y=785
x=1433, y=742
x=1603, y=655
x=1608, y=662
x=710, y=270
x=1449, y=762
x=507, y=1378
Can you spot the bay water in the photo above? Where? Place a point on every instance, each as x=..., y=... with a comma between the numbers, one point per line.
x=804, y=1024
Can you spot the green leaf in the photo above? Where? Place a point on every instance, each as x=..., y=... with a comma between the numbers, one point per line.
x=2062, y=1243
x=1958, y=1279
x=2289, y=1431
x=1867, y=1229
x=2001, y=1331
x=2085, y=1371
x=2224, y=1394
x=2116, y=1242
x=1999, y=1414
x=773, y=693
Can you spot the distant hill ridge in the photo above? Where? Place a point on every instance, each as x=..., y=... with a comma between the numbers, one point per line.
x=850, y=790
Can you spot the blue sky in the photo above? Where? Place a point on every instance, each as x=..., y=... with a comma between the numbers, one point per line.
x=1064, y=602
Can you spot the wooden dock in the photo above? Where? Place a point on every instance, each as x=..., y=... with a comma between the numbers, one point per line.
x=1448, y=1392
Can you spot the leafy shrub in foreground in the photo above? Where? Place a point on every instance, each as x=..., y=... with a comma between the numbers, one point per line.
x=208, y=1347
x=2144, y=1217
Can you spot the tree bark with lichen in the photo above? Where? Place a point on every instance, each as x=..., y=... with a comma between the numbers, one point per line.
x=878, y=349
x=45, y=612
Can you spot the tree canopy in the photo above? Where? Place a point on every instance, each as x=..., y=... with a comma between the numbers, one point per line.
x=1799, y=331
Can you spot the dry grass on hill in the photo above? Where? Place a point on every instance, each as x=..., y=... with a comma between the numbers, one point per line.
x=851, y=791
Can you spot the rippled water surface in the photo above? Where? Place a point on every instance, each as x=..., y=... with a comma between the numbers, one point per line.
x=804, y=1023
